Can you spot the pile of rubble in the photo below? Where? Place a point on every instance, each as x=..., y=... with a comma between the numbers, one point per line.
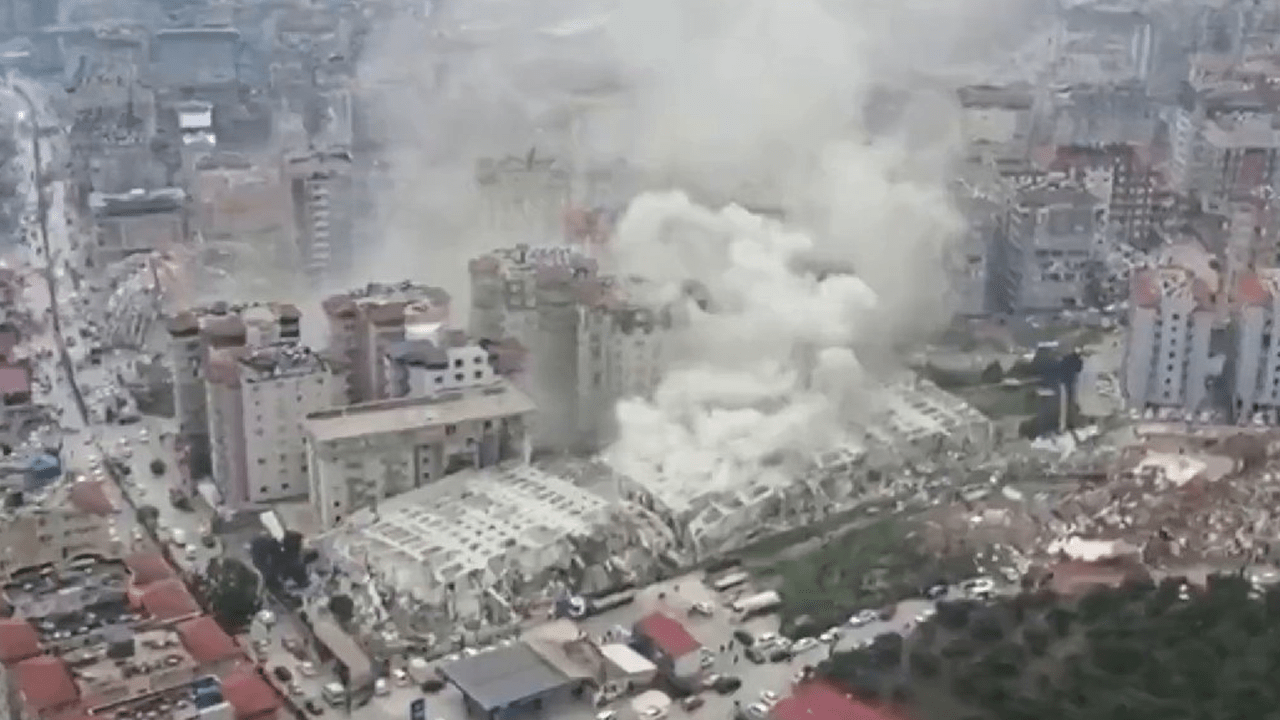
x=1175, y=499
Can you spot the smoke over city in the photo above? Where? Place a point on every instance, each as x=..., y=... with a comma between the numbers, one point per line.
x=828, y=112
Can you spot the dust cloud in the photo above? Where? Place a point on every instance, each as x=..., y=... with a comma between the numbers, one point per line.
x=714, y=103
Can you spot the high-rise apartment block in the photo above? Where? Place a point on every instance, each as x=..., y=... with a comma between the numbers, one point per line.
x=588, y=343
x=1048, y=247
x=321, y=188
x=1167, y=360
x=365, y=323
x=523, y=196
x=1119, y=174
x=192, y=335
x=1224, y=146
x=257, y=401
x=1256, y=371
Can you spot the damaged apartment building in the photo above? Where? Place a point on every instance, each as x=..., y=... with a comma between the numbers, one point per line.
x=486, y=543
x=720, y=508
x=1049, y=248
x=193, y=334
x=589, y=342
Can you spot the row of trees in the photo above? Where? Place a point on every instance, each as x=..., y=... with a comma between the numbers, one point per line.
x=1130, y=653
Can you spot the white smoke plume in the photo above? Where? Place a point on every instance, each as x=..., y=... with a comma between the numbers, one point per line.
x=755, y=101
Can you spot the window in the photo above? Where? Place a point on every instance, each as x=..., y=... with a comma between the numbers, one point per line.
x=450, y=429
x=457, y=363
x=479, y=374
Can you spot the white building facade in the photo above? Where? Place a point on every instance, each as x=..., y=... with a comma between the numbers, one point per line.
x=1256, y=373
x=258, y=400
x=1167, y=360
x=361, y=454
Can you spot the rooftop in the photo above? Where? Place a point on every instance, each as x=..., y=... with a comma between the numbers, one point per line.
x=379, y=293
x=502, y=676
x=668, y=635
x=471, y=522
x=148, y=567
x=249, y=694
x=15, y=380
x=1150, y=286
x=18, y=641
x=206, y=641
x=823, y=701
x=44, y=683
x=262, y=364
x=526, y=259
x=406, y=414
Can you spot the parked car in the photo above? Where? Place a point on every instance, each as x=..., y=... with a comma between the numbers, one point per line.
x=432, y=685
x=313, y=707
x=744, y=637
x=282, y=674
x=726, y=684
x=693, y=702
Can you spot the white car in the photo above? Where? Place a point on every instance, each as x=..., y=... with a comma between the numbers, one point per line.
x=829, y=636
x=654, y=712
x=804, y=644
x=757, y=711
x=768, y=638
x=863, y=618
x=769, y=698
x=307, y=669
x=979, y=586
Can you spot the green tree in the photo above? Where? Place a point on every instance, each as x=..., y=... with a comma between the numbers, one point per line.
x=924, y=663
x=232, y=589
x=1060, y=619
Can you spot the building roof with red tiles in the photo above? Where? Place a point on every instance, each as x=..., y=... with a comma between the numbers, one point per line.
x=206, y=641
x=1073, y=577
x=15, y=380
x=668, y=635
x=18, y=641
x=249, y=694
x=45, y=683
x=822, y=701
x=169, y=600
x=90, y=497
x=1256, y=288
x=148, y=567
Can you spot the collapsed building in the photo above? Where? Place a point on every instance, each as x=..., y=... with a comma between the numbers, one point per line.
x=719, y=510
x=490, y=546
x=481, y=545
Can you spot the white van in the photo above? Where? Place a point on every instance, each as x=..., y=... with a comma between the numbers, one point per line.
x=333, y=693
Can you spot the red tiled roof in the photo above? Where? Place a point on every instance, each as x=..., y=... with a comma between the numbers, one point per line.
x=169, y=600
x=18, y=641
x=90, y=497
x=207, y=642
x=14, y=379
x=668, y=635
x=45, y=683
x=1251, y=291
x=148, y=567
x=249, y=694
x=822, y=701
